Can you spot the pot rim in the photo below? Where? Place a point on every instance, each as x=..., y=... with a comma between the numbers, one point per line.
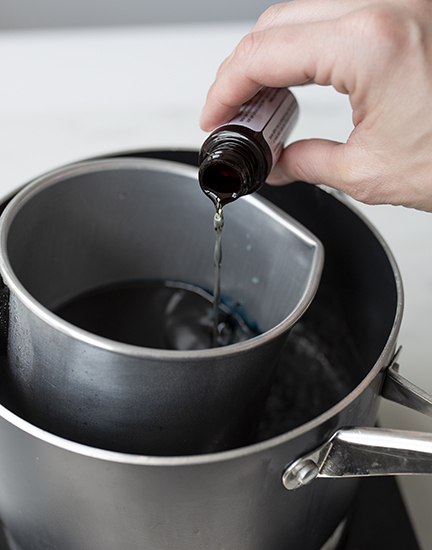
x=33, y=188
x=262, y=446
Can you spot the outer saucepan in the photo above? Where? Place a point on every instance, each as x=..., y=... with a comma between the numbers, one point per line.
x=61, y=495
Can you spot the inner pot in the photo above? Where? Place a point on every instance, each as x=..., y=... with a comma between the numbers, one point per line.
x=62, y=495
x=101, y=223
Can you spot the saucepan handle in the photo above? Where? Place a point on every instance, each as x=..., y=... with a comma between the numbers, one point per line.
x=364, y=452
x=400, y=390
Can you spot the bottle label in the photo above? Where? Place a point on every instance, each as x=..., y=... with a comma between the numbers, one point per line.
x=272, y=111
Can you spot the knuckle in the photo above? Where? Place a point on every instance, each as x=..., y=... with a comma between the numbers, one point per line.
x=361, y=192
x=246, y=48
x=360, y=175
x=364, y=187
x=248, y=55
x=269, y=16
x=382, y=30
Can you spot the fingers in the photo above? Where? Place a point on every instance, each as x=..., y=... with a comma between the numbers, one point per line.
x=298, y=12
x=291, y=44
x=312, y=161
x=277, y=57
x=379, y=54
x=338, y=165
x=306, y=11
x=221, y=107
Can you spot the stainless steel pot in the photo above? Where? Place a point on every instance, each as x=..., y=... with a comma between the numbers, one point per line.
x=113, y=221
x=61, y=495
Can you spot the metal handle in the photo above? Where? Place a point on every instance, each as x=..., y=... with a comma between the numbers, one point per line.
x=363, y=452
x=400, y=390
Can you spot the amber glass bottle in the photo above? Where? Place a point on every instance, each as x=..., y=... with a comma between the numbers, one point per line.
x=237, y=157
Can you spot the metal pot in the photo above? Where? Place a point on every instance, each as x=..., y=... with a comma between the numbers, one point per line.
x=107, y=222
x=61, y=495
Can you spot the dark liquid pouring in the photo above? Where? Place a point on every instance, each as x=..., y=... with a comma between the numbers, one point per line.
x=155, y=314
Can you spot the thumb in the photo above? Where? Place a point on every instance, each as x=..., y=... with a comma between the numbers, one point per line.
x=313, y=161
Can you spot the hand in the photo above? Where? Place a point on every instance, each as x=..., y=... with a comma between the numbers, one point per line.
x=378, y=54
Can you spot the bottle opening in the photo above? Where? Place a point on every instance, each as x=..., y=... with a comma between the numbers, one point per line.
x=221, y=182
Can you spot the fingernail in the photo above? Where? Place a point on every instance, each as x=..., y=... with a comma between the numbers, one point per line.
x=202, y=121
x=277, y=176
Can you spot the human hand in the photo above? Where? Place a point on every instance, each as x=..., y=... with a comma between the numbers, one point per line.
x=378, y=54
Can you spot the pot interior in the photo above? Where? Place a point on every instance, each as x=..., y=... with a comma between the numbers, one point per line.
x=108, y=222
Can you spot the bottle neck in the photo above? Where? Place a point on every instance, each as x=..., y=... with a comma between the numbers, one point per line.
x=232, y=166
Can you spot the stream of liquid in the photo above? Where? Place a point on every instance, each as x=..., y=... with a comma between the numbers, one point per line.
x=222, y=184
x=165, y=314
x=218, y=223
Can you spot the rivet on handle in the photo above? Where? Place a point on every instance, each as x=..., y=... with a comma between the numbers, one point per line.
x=300, y=473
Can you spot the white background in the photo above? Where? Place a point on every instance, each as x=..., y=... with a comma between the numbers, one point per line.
x=67, y=95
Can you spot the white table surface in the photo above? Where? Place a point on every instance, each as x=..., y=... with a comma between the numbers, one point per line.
x=69, y=95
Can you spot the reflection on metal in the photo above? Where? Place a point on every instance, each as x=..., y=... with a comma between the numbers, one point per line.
x=299, y=473
x=333, y=542
x=398, y=389
x=12, y=545
x=363, y=452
